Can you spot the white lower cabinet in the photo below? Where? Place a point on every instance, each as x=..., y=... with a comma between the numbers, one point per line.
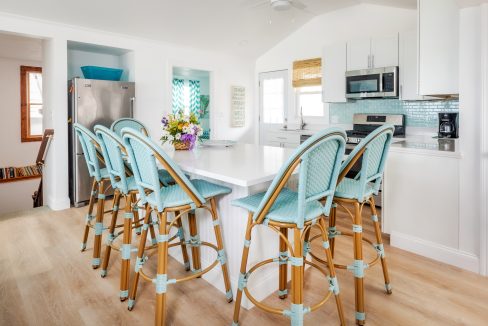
x=421, y=198
x=288, y=139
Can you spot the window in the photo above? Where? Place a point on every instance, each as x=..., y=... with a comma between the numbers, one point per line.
x=273, y=97
x=309, y=101
x=31, y=103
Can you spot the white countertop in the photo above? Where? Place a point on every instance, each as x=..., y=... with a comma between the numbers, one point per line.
x=242, y=164
x=426, y=145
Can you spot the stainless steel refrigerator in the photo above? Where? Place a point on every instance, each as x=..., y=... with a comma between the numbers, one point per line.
x=92, y=102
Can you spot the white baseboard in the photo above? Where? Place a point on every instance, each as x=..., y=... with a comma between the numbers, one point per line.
x=435, y=251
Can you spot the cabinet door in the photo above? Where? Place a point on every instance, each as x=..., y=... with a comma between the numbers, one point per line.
x=334, y=62
x=358, y=54
x=438, y=24
x=384, y=52
x=408, y=66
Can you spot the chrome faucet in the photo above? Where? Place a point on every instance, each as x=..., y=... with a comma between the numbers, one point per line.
x=302, y=124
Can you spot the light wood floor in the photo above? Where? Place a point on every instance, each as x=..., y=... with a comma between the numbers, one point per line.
x=45, y=280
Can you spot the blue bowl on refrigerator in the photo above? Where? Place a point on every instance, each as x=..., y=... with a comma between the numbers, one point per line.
x=102, y=73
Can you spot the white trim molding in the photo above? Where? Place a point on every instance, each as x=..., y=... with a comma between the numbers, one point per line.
x=484, y=142
x=435, y=251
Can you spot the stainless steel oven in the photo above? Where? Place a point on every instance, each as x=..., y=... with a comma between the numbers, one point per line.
x=371, y=83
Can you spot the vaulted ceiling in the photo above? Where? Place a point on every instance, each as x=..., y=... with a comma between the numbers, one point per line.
x=245, y=27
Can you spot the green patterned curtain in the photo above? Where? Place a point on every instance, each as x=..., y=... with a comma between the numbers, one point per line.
x=195, y=97
x=177, y=95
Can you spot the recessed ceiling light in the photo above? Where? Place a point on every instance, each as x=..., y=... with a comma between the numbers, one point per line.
x=281, y=5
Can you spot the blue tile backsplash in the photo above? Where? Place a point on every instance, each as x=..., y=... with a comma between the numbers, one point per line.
x=417, y=113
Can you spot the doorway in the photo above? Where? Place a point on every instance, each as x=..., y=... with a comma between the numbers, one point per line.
x=191, y=95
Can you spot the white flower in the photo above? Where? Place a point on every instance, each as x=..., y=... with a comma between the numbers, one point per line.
x=170, y=138
x=200, y=132
x=178, y=136
x=186, y=130
x=165, y=133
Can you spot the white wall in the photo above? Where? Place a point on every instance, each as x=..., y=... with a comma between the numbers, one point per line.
x=341, y=25
x=152, y=62
x=15, y=195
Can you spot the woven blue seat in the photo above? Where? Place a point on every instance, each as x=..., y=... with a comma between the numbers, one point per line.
x=350, y=188
x=373, y=152
x=184, y=197
x=174, y=195
x=93, y=157
x=124, y=183
x=284, y=209
x=318, y=161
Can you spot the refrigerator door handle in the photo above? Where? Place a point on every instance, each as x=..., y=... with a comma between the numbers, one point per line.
x=132, y=99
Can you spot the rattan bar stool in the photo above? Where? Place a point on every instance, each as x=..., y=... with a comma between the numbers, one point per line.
x=93, y=157
x=318, y=161
x=373, y=151
x=122, y=123
x=125, y=187
x=183, y=197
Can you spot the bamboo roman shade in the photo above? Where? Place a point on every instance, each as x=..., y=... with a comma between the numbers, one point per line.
x=307, y=72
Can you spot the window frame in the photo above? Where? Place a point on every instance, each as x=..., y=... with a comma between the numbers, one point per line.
x=25, y=104
x=308, y=118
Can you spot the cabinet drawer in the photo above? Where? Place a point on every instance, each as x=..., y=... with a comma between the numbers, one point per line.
x=282, y=137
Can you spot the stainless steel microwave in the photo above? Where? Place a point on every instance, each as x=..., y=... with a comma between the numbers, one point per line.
x=368, y=83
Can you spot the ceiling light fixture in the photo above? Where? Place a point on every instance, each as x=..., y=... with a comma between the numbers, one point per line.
x=281, y=5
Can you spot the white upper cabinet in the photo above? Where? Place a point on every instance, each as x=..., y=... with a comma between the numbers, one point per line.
x=438, y=52
x=408, y=67
x=384, y=51
x=359, y=54
x=333, y=73
x=371, y=53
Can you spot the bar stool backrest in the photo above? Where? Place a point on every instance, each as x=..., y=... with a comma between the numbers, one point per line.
x=319, y=158
x=122, y=123
x=374, y=151
x=144, y=155
x=89, y=143
x=113, y=151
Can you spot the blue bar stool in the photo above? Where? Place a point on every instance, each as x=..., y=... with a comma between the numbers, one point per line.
x=183, y=197
x=125, y=186
x=373, y=150
x=122, y=123
x=318, y=161
x=93, y=158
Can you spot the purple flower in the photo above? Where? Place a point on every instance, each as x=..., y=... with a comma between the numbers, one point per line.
x=164, y=121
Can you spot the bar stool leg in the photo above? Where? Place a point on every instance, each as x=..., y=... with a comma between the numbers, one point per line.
x=111, y=235
x=283, y=268
x=221, y=254
x=242, y=275
x=332, y=227
x=181, y=236
x=126, y=246
x=194, y=242
x=162, y=276
x=89, y=215
x=330, y=264
x=297, y=279
x=97, y=246
x=140, y=256
x=151, y=229
x=379, y=245
x=358, y=265
x=137, y=224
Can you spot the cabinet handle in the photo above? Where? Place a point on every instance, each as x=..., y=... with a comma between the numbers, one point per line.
x=369, y=60
x=401, y=92
x=372, y=61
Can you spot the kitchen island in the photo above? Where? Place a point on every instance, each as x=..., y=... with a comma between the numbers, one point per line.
x=246, y=169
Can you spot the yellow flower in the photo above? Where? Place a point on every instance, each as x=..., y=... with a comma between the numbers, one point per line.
x=180, y=126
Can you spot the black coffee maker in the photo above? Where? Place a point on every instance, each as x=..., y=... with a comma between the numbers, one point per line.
x=448, y=125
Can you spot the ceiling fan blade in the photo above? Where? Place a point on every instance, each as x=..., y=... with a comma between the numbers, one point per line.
x=299, y=5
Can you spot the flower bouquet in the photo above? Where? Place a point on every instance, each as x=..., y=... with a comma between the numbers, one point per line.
x=181, y=130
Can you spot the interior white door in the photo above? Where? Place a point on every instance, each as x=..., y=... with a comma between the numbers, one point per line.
x=273, y=101
x=359, y=54
x=333, y=73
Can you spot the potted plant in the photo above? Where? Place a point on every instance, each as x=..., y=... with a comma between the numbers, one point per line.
x=182, y=131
